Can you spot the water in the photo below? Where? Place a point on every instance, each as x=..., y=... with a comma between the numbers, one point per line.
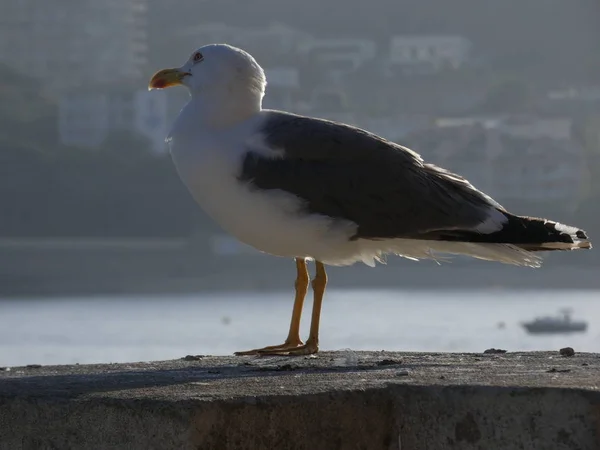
x=121, y=329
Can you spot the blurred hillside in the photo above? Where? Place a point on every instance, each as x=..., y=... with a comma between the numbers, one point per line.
x=49, y=189
x=551, y=38
x=523, y=56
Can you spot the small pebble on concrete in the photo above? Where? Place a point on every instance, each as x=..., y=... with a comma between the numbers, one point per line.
x=567, y=351
x=494, y=351
x=193, y=357
x=389, y=362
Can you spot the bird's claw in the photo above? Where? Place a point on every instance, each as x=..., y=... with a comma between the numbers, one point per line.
x=285, y=349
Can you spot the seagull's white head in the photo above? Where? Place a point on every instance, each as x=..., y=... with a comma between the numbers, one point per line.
x=215, y=69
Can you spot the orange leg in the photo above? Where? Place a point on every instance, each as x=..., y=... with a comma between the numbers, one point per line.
x=293, y=339
x=312, y=344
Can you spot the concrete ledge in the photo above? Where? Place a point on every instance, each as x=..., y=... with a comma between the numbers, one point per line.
x=338, y=400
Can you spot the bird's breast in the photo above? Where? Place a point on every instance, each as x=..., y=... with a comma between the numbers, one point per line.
x=202, y=166
x=210, y=168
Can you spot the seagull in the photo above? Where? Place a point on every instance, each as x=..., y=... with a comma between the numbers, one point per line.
x=311, y=189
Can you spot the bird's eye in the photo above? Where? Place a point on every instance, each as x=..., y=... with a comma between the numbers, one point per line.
x=198, y=57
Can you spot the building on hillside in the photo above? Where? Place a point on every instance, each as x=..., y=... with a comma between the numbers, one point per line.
x=428, y=53
x=573, y=93
x=533, y=127
x=88, y=117
x=338, y=57
x=574, y=101
x=79, y=43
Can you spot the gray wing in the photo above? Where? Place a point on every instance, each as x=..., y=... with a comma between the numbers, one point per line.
x=345, y=172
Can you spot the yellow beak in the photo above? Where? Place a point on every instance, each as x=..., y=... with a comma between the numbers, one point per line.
x=167, y=78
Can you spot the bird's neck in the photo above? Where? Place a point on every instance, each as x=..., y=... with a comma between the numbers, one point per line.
x=223, y=109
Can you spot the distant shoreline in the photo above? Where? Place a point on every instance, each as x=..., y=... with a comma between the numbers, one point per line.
x=278, y=276
x=83, y=267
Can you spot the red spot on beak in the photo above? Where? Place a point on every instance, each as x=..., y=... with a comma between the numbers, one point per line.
x=159, y=84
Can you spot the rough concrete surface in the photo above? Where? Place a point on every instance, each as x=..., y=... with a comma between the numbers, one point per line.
x=336, y=400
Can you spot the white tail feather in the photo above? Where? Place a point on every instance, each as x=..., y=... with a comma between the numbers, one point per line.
x=422, y=249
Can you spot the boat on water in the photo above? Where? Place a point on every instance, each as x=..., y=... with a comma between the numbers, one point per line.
x=562, y=323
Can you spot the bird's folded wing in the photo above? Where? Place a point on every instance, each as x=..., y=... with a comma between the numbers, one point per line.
x=345, y=172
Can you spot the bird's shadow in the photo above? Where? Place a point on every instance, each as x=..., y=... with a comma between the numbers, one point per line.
x=71, y=385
